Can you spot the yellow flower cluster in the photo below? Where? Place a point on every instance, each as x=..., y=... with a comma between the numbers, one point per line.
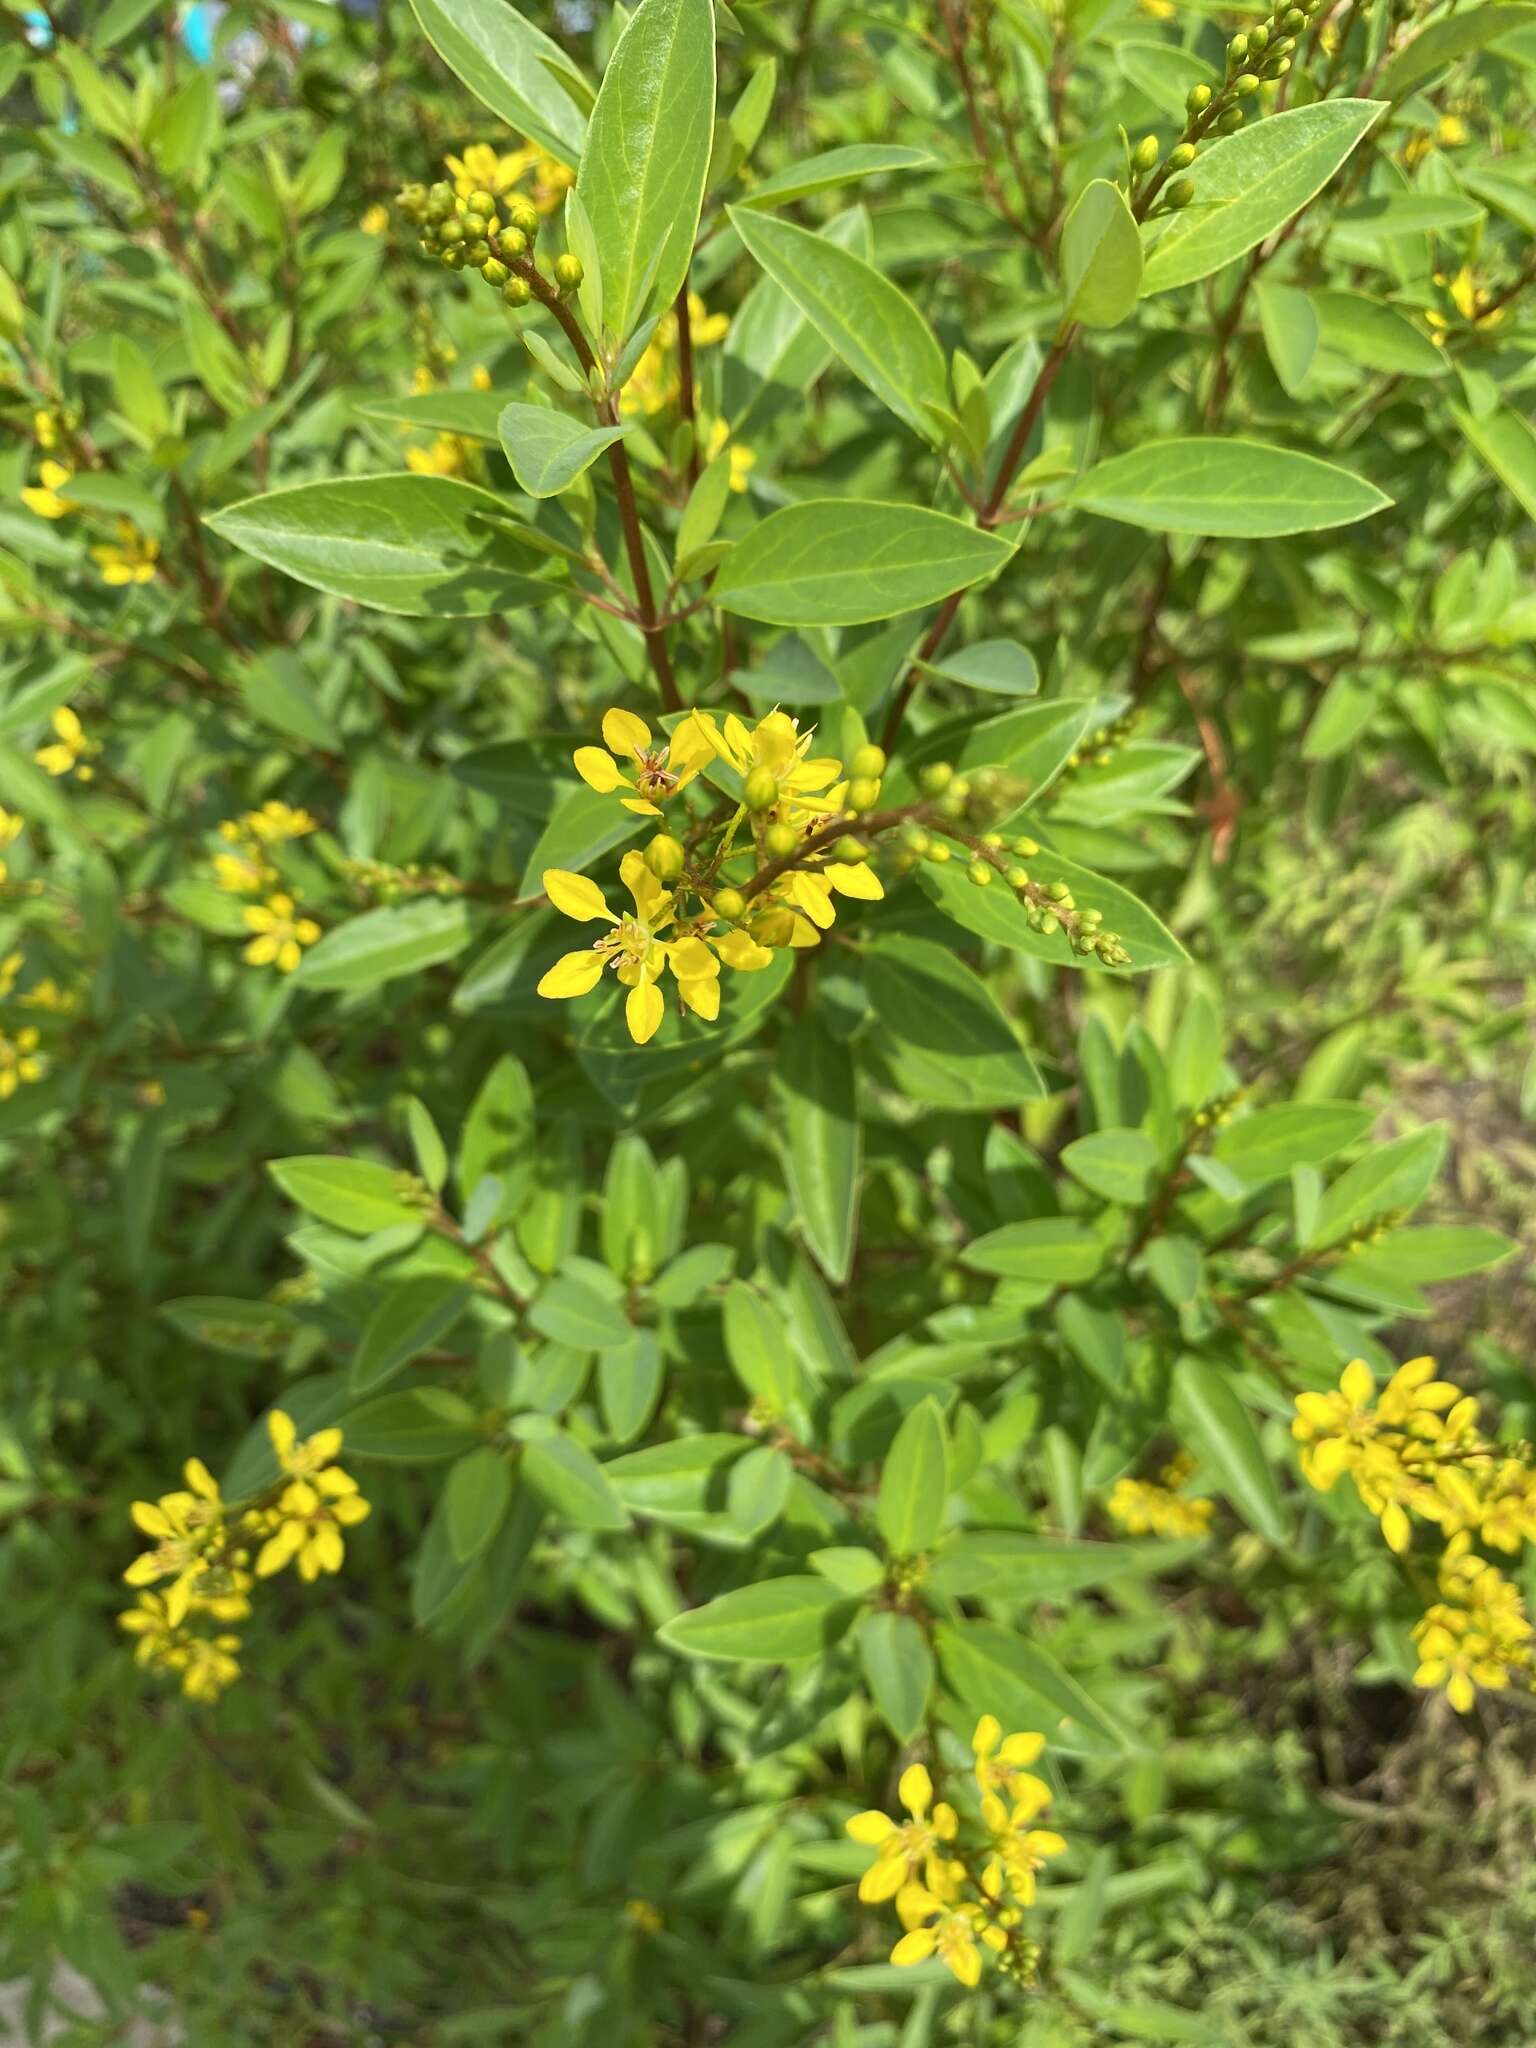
x=71, y=751
x=786, y=796
x=280, y=932
x=202, y=1546
x=446, y=455
x=11, y=829
x=1471, y=302
x=656, y=380
x=959, y=1889
x=1143, y=1507
x=482, y=169
x=1417, y=1452
x=131, y=558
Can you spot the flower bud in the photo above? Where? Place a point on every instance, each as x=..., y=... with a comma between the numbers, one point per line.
x=517, y=291
x=482, y=204
x=1293, y=21
x=1237, y=49
x=1282, y=48
x=512, y=242
x=780, y=840
x=1026, y=848
x=477, y=252
x=979, y=873
x=440, y=202
x=1277, y=67
x=451, y=232
x=494, y=272
x=915, y=839
x=523, y=216
x=1198, y=98
x=665, y=857
x=863, y=793
x=760, y=791
x=1245, y=84
x=568, y=272
x=850, y=849
x=1181, y=156
x=1017, y=878
x=935, y=778
x=1258, y=38
x=1230, y=121
x=453, y=258
x=729, y=904
x=1144, y=155
x=1180, y=192
x=938, y=851
x=868, y=760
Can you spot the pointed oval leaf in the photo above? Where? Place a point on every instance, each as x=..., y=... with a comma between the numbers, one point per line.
x=1209, y=1414
x=1211, y=485
x=548, y=450
x=846, y=561
x=772, y=1622
x=1101, y=259
x=513, y=67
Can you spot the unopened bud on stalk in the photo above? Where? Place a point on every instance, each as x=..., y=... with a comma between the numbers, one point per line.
x=1181, y=156
x=1144, y=155
x=1180, y=192
x=780, y=841
x=1198, y=98
x=868, y=760
x=863, y=793
x=665, y=857
x=729, y=904
x=568, y=272
x=517, y=291
x=760, y=791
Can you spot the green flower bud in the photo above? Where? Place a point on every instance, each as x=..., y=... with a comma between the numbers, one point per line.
x=477, y=252
x=1282, y=48
x=1276, y=68
x=780, y=840
x=979, y=873
x=935, y=778
x=1230, y=121
x=1144, y=155
x=482, y=204
x=1025, y=848
x=440, y=202
x=729, y=904
x=1258, y=38
x=523, y=216
x=1180, y=192
x=938, y=851
x=512, y=242
x=915, y=839
x=760, y=791
x=863, y=793
x=850, y=849
x=494, y=272
x=568, y=272
x=1198, y=98
x=1293, y=21
x=1017, y=878
x=1049, y=922
x=451, y=232
x=1237, y=49
x=1245, y=84
x=517, y=291
x=665, y=857
x=1181, y=156
x=453, y=258
x=869, y=760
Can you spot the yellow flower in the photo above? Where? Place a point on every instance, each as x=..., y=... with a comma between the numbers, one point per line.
x=481, y=169
x=11, y=827
x=777, y=744
x=656, y=380
x=205, y=1664
x=480, y=378
x=904, y=1850
x=637, y=763
x=307, y=1523
x=951, y=1932
x=1470, y=301
x=301, y=1460
x=1143, y=1508
x=187, y=1529
x=20, y=1061
x=130, y=559
x=273, y=822
x=46, y=499
x=632, y=948
x=641, y=1914
x=280, y=934
x=375, y=220
x=47, y=995
x=1451, y=131
x=1002, y=1763
x=1018, y=1850
x=1476, y=1635
x=743, y=459
x=70, y=752
x=10, y=968
x=422, y=380
x=45, y=428
x=445, y=457
x=242, y=874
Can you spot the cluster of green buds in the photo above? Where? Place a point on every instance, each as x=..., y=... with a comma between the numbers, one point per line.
x=1101, y=745
x=1257, y=59
x=389, y=884
x=957, y=801
x=489, y=232
x=1217, y=1112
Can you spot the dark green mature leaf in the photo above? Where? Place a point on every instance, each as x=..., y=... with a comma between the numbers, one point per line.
x=832, y=167
x=1453, y=36
x=1016, y=1565
x=870, y=323
x=1249, y=184
x=772, y=1622
x=547, y=449
x=568, y=1479
x=352, y=1194
x=409, y=1320
x=1377, y=336
x=477, y=1495
x=1216, y=486
x=1389, y=1179
x=817, y=1089
x=845, y=561
x=517, y=70
x=1048, y=1248
x=642, y=172
x=420, y=1424
x=1212, y=1420
x=995, y=1671
x=942, y=1037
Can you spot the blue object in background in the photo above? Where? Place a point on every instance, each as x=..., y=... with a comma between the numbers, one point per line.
x=198, y=28
x=39, y=29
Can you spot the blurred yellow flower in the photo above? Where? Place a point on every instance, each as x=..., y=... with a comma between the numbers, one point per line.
x=375, y=220
x=20, y=1061
x=46, y=499
x=70, y=752
x=482, y=169
x=444, y=457
x=129, y=559
x=281, y=934
x=11, y=827
x=655, y=381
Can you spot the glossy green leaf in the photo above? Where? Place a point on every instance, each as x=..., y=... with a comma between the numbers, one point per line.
x=513, y=67
x=1377, y=336
x=845, y=561
x=422, y=1423
x=909, y=1508
x=1291, y=330
x=773, y=1622
x=570, y=1481
x=572, y=1313
x=832, y=167
x=1212, y=1421
x=1053, y=1248
x=1101, y=260
x=548, y=450
x=477, y=1495
x=352, y=1194
x=942, y=1038
x=1017, y=1565
x=1390, y=1179
x=992, y=1670
x=1219, y=486
x=1506, y=441
x=629, y=1383
x=1266, y=1145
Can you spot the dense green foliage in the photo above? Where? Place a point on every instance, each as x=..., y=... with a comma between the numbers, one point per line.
x=889, y=1308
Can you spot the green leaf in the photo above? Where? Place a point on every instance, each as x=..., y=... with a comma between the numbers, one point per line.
x=629, y=1381
x=548, y=450
x=1120, y=1165
x=823, y=1152
x=761, y=1349
x=1428, y=1255
x=1451, y=37
x=869, y=322
x=1266, y=1145
x=995, y=913
x=1001, y=667
x=846, y=561
x=898, y=1669
x=1377, y=336
x=477, y=1495
x=1291, y=331
x=758, y=1489
x=909, y=1509
x=474, y=414
x=773, y=1622
x=567, y=1477
x=1032, y=743
x=571, y=1312
x=832, y=167
x=277, y=691
x=1211, y=1419
x=1101, y=259
x=423, y=546
x=1249, y=184
x=647, y=154
x=382, y=945
x=682, y=1483
x=1053, y=1248
x=243, y=1329
x=942, y=1038
x=1506, y=441
x=421, y=1423
x=351, y=1194
x=515, y=69
x=1391, y=1178
x=993, y=1670
x=1216, y=486
x=1035, y=1568
x=409, y=1320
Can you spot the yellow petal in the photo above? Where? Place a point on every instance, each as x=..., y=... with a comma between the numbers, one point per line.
x=573, y=974
x=1358, y=1383
x=856, y=878
x=965, y=1960
x=883, y=1880
x=915, y=1947
x=989, y=1732
x=280, y=1427
x=598, y=770
x=625, y=733
x=150, y=1519
x=200, y=1479
x=324, y=1445
x=915, y=1790
x=1021, y=1749
x=643, y=1011
x=702, y=997
x=576, y=896
x=870, y=1827
x=693, y=961
x=739, y=950
x=651, y=899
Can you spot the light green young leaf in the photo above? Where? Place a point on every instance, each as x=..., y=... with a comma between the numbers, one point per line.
x=1390, y=1178
x=547, y=449
x=909, y=1509
x=517, y=70
x=647, y=152
x=410, y=1319
x=870, y=323
x=1255, y=180
x=1211, y=1420
x=1212, y=485
x=1120, y=1165
x=352, y=1194
x=832, y=167
x=1506, y=441
x=1291, y=332
x=773, y=1622
x=1266, y=1145
x=898, y=1669
x=382, y=945
x=477, y=1494
x=847, y=561
x=1101, y=259
x=823, y=1153
x=1054, y=1248
x=569, y=1480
